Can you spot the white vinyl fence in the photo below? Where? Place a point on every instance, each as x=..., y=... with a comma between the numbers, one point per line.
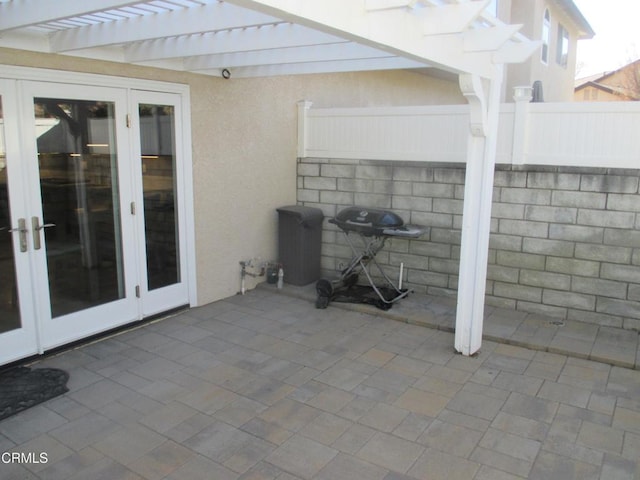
x=558, y=134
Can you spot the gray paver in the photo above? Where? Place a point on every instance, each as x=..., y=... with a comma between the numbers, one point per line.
x=531, y=407
x=383, y=417
x=128, y=444
x=617, y=468
x=348, y=467
x=449, y=438
x=265, y=387
x=501, y=461
x=475, y=405
x=549, y=466
x=437, y=465
x=601, y=437
x=566, y=394
x=302, y=456
x=390, y=452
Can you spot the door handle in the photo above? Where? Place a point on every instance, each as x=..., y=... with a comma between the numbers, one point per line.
x=22, y=230
x=36, y=227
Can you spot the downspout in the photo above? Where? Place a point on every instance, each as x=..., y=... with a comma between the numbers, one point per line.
x=476, y=218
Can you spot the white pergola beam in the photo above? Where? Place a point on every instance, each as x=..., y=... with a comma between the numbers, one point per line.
x=32, y=12
x=399, y=31
x=308, y=54
x=282, y=35
x=389, y=63
x=204, y=18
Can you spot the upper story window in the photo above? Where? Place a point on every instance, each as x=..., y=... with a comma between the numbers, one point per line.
x=546, y=36
x=562, y=53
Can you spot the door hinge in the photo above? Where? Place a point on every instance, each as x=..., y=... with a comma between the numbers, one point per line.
x=137, y=291
x=132, y=207
x=128, y=120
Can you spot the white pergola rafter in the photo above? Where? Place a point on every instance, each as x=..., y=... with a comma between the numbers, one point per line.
x=324, y=53
x=336, y=66
x=281, y=35
x=200, y=19
x=14, y=15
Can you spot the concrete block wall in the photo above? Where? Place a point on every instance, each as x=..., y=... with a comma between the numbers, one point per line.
x=565, y=242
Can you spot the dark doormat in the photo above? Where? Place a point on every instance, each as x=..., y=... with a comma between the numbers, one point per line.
x=22, y=388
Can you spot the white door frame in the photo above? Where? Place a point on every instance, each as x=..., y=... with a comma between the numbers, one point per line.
x=132, y=89
x=82, y=323
x=23, y=341
x=164, y=298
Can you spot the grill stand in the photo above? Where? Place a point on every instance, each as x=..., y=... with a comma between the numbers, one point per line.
x=345, y=288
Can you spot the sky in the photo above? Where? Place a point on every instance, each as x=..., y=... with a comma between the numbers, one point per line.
x=617, y=39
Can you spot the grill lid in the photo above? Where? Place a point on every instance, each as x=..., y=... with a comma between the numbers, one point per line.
x=367, y=220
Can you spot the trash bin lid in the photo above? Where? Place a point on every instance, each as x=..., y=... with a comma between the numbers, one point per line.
x=308, y=216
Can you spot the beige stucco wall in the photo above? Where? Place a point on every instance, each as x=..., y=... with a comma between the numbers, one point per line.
x=557, y=81
x=244, y=148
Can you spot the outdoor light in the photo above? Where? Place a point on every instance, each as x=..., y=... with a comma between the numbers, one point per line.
x=522, y=93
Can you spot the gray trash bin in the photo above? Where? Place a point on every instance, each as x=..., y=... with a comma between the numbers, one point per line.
x=299, y=239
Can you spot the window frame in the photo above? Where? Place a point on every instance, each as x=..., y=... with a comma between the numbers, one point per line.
x=562, y=48
x=546, y=36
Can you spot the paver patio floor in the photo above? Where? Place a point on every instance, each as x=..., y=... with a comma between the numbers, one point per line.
x=264, y=386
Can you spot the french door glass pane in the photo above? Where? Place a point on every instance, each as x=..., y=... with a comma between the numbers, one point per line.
x=157, y=141
x=9, y=310
x=80, y=201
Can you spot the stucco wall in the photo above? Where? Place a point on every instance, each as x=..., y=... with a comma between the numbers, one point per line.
x=564, y=241
x=558, y=81
x=244, y=134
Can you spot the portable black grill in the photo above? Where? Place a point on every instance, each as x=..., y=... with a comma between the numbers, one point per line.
x=373, y=227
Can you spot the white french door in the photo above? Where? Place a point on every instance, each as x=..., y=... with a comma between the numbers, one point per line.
x=157, y=174
x=92, y=226
x=18, y=333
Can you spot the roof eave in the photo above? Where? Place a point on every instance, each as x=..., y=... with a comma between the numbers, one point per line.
x=585, y=31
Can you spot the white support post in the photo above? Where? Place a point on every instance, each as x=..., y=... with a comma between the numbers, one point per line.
x=476, y=220
x=303, y=109
x=522, y=97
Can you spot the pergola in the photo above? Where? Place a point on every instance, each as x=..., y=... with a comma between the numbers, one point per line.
x=256, y=38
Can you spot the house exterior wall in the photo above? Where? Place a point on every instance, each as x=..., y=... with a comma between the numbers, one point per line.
x=557, y=80
x=244, y=148
x=626, y=78
x=624, y=85
x=564, y=242
x=593, y=94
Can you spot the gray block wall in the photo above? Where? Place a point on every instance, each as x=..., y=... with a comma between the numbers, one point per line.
x=565, y=242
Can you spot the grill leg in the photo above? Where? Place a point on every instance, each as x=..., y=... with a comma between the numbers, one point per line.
x=360, y=262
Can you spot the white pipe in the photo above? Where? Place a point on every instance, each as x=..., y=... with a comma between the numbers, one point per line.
x=400, y=279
